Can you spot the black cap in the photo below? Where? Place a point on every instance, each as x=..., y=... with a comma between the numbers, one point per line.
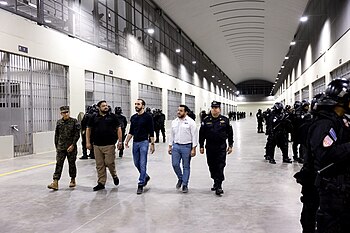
x=64, y=108
x=215, y=104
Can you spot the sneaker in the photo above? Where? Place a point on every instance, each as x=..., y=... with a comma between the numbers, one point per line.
x=184, y=189
x=178, y=184
x=219, y=191
x=139, y=189
x=116, y=180
x=99, y=186
x=146, y=181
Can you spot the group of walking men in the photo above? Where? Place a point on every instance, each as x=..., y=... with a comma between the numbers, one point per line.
x=106, y=131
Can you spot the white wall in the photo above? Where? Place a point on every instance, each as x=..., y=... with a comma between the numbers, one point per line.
x=43, y=141
x=6, y=145
x=47, y=44
x=328, y=61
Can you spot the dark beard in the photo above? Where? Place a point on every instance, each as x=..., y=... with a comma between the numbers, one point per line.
x=104, y=112
x=137, y=109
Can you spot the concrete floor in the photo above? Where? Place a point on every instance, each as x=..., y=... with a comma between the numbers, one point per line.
x=259, y=197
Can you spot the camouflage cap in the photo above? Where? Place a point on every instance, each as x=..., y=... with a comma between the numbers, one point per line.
x=215, y=104
x=64, y=108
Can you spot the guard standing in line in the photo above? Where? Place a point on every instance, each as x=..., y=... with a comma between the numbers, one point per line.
x=66, y=137
x=84, y=122
x=329, y=144
x=215, y=130
x=260, y=119
x=123, y=123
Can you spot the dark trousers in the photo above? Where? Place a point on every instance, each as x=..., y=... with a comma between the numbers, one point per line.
x=310, y=200
x=216, y=160
x=123, y=139
x=334, y=212
x=260, y=127
x=60, y=157
x=279, y=140
x=83, y=146
x=162, y=129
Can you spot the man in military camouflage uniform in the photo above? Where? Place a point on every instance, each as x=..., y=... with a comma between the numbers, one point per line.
x=66, y=136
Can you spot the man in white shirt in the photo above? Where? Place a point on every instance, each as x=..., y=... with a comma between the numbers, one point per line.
x=182, y=145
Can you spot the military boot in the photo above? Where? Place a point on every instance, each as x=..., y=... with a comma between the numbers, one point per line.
x=53, y=185
x=72, y=183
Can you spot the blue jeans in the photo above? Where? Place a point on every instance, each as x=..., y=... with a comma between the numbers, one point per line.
x=181, y=152
x=139, y=152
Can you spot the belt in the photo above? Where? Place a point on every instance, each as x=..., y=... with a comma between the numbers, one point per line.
x=183, y=144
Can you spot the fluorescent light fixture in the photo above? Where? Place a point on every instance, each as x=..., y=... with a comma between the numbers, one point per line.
x=279, y=72
x=4, y=3
x=194, y=62
x=213, y=76
x=292, y=43
x=47, y=21
x=219, y=80
x=282, y=67
x=178, y=50
x=150, y=31
x=205, y=70
x=303, y=19
x=223, y=84
x=31, y=4
x=286, y=58
x=277, y=78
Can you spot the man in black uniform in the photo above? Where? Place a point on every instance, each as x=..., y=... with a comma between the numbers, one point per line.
x=216, y=129
x=329, y=144
x=260, y=119
x=123, y=123
x=89, y=112
x=66, y=137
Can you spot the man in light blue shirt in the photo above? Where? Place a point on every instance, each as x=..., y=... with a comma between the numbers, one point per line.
x=182, y=145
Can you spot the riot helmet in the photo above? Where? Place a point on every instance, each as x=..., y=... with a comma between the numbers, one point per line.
x=118, y=110
x=297, y=105
x=337, y=93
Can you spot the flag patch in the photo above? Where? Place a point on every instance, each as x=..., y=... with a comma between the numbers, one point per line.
x=333, y=134
x=327, y=141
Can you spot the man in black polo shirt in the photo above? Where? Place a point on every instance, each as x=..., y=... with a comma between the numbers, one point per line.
x=141, y=127
x=106, y=131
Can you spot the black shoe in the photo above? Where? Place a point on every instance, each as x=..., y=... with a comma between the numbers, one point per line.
x=287, y=160
x=214, y=187
x=267, y=157
x=163, y=139
x=184, y=189
x=157, y=141
x=178, y=184
x=146, y=181
x=116, y=180
x=121, y=154
x=300, y=160
x=272, y=161
x=219, y=191
x=99, y=186
x=139, y=189
x=92, y=157
x=84, y=157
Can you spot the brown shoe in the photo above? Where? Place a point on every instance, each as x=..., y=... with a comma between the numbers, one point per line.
x=72, y=183
x=53, y=185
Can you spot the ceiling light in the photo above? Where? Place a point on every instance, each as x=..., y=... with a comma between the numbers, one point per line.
x=303, y=19
x=47, y=21
x=279, y=72
x=219, y=80
x=237, y=92
x=178, y=50
x=223, y=84
x=205, y=70
x=194, y=62
x=32, y=5
x=150, y=31
x=277, y=78
x=213, y=76
x=282, y=67
x=292, y=43
x=286, y=58
x=4, y=3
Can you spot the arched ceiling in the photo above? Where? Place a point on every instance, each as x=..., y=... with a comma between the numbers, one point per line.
x=247, y=39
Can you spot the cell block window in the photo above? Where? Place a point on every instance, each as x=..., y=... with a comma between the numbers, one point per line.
x=305, y=93
x=151, y=95
x=114, y=90
x=342, y=71
x=174, y=100
x=190, y=101
x=318, y=86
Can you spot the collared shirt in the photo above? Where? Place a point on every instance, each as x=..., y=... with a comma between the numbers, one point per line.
x=184, y=131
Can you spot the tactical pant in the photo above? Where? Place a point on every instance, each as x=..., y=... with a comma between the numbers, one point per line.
x=123, y=139
x=310, y=200
x=105, y=157
x=216, y=160
x=333, y=215
x=71, y=157
x=279, y=140
x=162, y=129
x=260, y=127
x=83, y=146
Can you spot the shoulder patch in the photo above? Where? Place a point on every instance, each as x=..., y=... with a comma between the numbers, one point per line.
x=333, y=134
x=327, y=141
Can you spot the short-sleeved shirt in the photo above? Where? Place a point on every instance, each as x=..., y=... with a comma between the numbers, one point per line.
x=104, y=129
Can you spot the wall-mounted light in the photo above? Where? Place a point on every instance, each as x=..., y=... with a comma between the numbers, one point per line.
x=178, y=50
x=219, y=80
x=279, y=73
x=150, y=31
x=282, y=67
x=213, y=76
x=303, y=19
x=47, y=21
x=286, y=58
x=204, y=70
x=223, y=84
x=194, y=62
x=293, y=43
x=4, y=3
